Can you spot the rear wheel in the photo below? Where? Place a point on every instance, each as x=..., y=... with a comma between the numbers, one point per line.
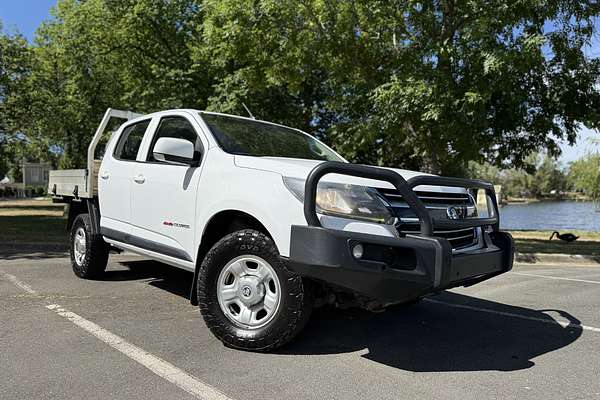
x=248, y=298
x=89, y=252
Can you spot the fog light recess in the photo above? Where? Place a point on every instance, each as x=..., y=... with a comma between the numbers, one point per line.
x=358, y=251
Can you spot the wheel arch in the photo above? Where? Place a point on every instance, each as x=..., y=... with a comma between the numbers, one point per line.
x=85, y=206
x=220, y=224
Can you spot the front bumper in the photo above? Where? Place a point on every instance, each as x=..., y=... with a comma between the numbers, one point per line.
x=395, y=270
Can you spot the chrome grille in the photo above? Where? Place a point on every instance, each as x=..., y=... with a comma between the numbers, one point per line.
x=458, y=238
x=437, y=204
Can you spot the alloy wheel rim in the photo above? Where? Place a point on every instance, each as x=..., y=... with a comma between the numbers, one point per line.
x=79, y=246
x=249, y=291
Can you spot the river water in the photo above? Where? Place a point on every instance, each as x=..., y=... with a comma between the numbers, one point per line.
x=551, y=215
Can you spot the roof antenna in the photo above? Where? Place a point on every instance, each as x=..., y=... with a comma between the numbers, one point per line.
x=248, y=111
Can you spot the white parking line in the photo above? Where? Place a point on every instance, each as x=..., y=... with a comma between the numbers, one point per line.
x=564, y=324
x=21, y=285
x=155, y=364
x=555, y=277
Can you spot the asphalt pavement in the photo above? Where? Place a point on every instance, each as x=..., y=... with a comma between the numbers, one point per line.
x=530, y=334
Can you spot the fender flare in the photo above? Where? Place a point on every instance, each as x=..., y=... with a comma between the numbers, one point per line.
x=205, y=246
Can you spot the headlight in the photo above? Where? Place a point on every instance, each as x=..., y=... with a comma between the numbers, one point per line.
x=347, y=201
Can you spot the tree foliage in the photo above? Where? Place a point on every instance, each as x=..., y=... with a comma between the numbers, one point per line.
x=547, y=177
x=426, y=85
x=488, y=80
x=15, y=65
x=584, y=175
x=15, y=59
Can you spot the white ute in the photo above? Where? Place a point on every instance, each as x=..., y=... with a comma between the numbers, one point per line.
x=272, y=222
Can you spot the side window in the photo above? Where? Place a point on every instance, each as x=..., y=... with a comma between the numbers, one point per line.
x=130, y=140
x=175, y=127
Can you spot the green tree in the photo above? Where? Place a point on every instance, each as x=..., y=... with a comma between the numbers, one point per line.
x=547, y=176
x=153, y=42
x=488, y=80
x=74, y=76
x=15, y=67
x=4, y=159
x=584, y=175
x=271, y=56
x=110, y=53
x=425, y=85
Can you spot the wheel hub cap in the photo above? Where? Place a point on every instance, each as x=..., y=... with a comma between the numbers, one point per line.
x=248, y=291
x=251, y=290
x=79, y=246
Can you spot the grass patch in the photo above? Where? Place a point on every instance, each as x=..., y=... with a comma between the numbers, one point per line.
x=38, y=212
x=582, y=247
x=30, y=203
x=24, y=207
x=40, y=222
x=32, y=229
x=32, y=221
x=545, y=235
x=588, y=243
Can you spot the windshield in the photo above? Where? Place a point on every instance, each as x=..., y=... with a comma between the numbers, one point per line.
x=253, y=138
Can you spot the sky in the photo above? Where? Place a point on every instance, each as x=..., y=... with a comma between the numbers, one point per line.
x=24, y=16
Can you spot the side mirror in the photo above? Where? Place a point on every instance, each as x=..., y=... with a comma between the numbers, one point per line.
x=174, y=151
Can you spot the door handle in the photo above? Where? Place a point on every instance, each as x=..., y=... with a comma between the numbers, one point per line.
x=104, y=175
x=139, y=179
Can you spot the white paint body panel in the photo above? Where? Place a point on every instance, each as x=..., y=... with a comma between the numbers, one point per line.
x=114, y=193
x=295, y=168
x=191, y=197
x=165, y=203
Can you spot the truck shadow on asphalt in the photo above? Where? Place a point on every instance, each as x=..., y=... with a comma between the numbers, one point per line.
x=165, y=277
x=16, y=252
x=431, y=336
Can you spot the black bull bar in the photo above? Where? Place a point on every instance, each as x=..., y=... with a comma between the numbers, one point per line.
x=405, y=188
x=326, y=254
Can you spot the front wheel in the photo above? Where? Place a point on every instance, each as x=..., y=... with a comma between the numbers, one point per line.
x=248, y=298
x=89, y=252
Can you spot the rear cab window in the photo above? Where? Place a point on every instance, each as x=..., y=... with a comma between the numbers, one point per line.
x=130, y=140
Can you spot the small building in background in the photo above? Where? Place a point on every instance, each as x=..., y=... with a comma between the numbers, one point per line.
x=36, y=174
x=34, y=181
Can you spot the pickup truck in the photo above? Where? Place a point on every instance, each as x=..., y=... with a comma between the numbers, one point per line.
x=272, y=222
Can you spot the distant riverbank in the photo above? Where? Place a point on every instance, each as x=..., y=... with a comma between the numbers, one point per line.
x=569, y=196
x=551, y=215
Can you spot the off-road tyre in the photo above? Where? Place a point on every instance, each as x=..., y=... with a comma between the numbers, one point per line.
x=296, y=294
x=94, y=262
